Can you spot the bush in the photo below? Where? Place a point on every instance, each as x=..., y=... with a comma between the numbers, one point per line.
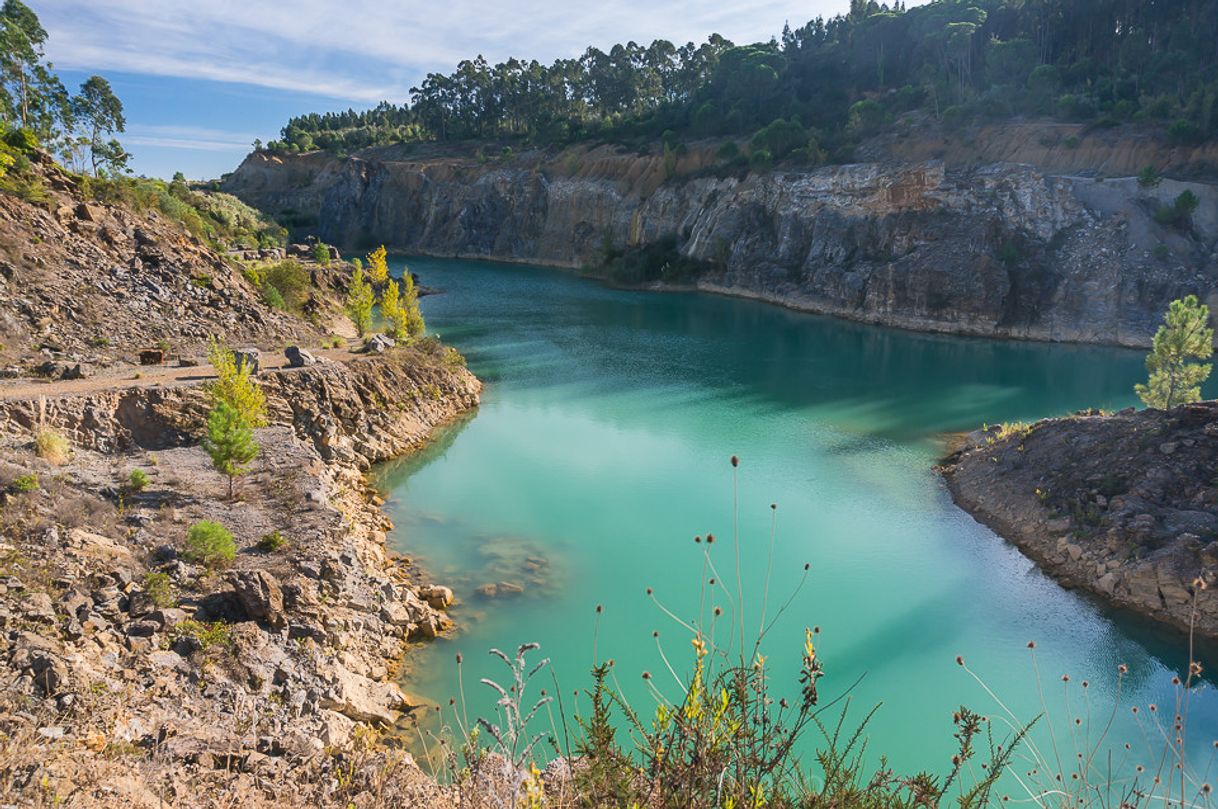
x=274, y=541
x=210, y=543
x=290, y=280
x=321, y=253
x=1162, y=252
x=159, y=588
x=207, y=635
x=1149, y=177
x=1180, y=211
x=51, y=446
x=728, y=150
x=138, y=480
x=27, y=483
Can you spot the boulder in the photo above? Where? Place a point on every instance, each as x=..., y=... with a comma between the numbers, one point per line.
x=248, y=357
x=378, y=343
x=364, y=700
x=437, y=596
x=298, y=357
x=260, y=596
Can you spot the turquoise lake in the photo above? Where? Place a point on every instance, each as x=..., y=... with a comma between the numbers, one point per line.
x=602, y=448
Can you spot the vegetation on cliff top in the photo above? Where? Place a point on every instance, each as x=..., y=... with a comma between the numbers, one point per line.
x=830, y=81
x=1174, y=363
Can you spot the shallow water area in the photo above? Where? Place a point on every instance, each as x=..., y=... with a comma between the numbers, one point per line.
x=601, y=450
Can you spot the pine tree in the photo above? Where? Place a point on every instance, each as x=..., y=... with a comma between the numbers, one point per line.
x=235, y=387
x=378, y=266
x=230, y=442
x=359, y=302
x=1185, y=336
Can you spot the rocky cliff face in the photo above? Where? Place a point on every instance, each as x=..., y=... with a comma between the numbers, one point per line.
x=995, y=249
x=1122, y=506
x=241, y=681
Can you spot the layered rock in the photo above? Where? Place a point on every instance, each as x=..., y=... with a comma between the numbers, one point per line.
x=996, y=249
x=1123, y=506
x=118, y=638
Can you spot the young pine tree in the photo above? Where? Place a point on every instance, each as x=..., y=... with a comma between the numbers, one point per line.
x=235, y=387
x=378, y=266
x=359, y=302
x=230, y=442
x=1175, y=375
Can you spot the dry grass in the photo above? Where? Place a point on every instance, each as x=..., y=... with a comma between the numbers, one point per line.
x=52, y=447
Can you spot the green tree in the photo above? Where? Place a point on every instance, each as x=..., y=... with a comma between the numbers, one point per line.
x=391, y=311
x=21, y=47
x=359, y=302
x=230, y=443
x=412, y=317
x=321, y=253
x=100, y=112
x=1175, y=374
x=234, y=386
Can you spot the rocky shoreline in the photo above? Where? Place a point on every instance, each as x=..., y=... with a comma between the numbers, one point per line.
x=134, y=673
x=1123, y=506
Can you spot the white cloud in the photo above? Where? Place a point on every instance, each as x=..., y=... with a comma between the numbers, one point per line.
x=369, y=50
x=200, y=139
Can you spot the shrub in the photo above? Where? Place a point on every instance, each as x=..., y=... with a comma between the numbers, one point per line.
x=51, y=446
x=27, y=483
x=137, y=481
x=210, y=543
x=728, y=150
x=159, y=588
x=1180, y=211
x=1162, y=252
x=274, y=541
x=290, y=280
x=207, y=635
x=321, y=253
x=1149, y=177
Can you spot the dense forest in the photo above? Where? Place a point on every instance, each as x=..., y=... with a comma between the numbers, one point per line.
x=812, y=92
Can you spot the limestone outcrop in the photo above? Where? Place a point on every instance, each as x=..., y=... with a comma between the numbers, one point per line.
x=1122, y=506
x=1000, y=249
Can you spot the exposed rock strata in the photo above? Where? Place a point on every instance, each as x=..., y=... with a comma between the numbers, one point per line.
x=997, y=249
x=1123, y=506
x=249, y=673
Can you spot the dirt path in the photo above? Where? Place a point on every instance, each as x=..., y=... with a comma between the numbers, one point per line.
x=148, y=376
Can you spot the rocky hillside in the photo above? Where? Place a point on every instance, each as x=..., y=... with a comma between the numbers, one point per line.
x=83, y=281
x=133, y=675
x=1123, y=505
x=930, y=234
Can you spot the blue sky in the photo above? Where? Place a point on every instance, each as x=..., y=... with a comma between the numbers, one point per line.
x=201, y=79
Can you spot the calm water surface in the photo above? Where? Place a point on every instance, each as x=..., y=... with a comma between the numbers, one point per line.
x=601, y=449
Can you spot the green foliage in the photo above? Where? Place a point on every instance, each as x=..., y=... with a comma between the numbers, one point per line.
x=221, y=220
x=1180, y=211
x=229, y=442
x=26, y=483
x=285, y=284
x=1149, y=177
x=659, y=261
x=51, y=446
x=100, y=113
x=1161, y=251
x=210, y=544
x=321, y=253
x=137, y=481
x=1176, y=373
x=400, y=308
x=235, y=387
x=360, y=298
x=274, y=541
x=844, y=77
x=208, y=636
x=159, y=588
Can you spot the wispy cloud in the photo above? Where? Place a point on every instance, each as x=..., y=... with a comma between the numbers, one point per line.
x=201, y=139
x=369, y=50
